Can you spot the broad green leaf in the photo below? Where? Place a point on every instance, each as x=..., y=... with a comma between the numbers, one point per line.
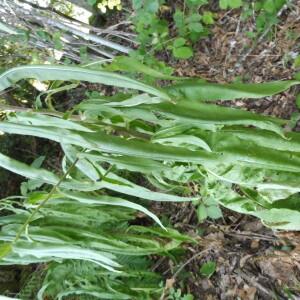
x=208, y=268
x=261, y=157
x=267, y=139
x=208, y=18
x=261, y=179
x=224, y=4
x=179, y=42
x=201, y=213
x=196, y=27
x=214, y=212
x=285, y=219
x=183, y=52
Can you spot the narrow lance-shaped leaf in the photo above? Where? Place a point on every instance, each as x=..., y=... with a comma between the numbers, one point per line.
x=135, y=164
x=116, y=183
x=192, y=113
x=204, y=91
x=30, y=118
x=262, y=138
x=56, y=72
x=43, y=175
x=37, y=252
x=113, y=144
x=113, y=182
x=107, y=200
x=117, y=145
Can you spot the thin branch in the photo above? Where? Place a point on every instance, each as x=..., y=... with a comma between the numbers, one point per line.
x=53, y=190
x=260, y=39
x=173, y=278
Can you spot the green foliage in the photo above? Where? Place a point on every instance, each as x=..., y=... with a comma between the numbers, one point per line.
x=153, y=30
x=5, y=249
x=32, y=284
x=192, y=22
x=297, y=62
x=180, y=50
x=208, y=269
x=96, y=227
x=167, y=138
x=178, y=295
x=84, y=278
x=225, y=4
x=208, y=210
x=266, y=14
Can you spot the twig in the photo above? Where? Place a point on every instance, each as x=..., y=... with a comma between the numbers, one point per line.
x=173, y=278
x=243, y=58
x=53, y=190
x=251, y=236
x=255, y=284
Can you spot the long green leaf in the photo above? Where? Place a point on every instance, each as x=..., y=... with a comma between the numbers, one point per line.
x=57, y=72
x=203, y=91
x=113, y=144
x=116, y=183
x=192, y=113
x=36, y=119
x=37, y=252
x=134, y=164
x=107, y=200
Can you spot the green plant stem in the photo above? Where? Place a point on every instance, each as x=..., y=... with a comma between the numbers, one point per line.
x=53, y=190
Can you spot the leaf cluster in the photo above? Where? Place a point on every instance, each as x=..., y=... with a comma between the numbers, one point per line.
x=144, y=143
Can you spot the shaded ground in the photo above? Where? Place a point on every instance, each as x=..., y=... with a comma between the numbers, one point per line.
x=252, y=261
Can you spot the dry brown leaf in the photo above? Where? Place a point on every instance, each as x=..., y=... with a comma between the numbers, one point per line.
x=279, y=268
x=247, y=293
x=170, y=283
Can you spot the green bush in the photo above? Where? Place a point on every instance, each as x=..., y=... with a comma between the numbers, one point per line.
x=174, y=137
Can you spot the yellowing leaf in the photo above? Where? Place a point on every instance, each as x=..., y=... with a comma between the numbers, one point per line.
x=5, y=249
